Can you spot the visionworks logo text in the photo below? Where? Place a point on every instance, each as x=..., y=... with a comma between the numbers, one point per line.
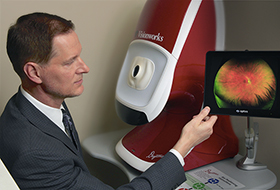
x=158, y=37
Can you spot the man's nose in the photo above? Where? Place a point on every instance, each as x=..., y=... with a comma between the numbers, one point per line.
x=83, y=67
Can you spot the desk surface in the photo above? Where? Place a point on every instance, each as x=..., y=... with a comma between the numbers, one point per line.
x=6, y=180
x=102, y=146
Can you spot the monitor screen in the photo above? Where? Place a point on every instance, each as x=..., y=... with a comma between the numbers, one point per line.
x=244, y=83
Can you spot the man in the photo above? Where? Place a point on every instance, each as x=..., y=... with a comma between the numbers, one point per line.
x=35, y=144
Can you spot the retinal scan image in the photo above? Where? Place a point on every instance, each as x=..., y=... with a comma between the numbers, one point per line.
x=245, y=83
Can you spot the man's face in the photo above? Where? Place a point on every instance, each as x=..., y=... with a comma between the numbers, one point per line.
x=62, y=76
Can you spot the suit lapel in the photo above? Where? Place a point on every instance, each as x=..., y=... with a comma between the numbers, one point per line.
x=42, y=122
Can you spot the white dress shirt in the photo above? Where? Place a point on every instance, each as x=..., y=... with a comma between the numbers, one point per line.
x=54, y=114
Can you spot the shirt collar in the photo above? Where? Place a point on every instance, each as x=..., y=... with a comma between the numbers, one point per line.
x=54, y=114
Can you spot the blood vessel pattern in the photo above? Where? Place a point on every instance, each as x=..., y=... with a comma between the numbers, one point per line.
x=245, y=83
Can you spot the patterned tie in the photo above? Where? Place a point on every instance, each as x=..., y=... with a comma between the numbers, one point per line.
x=68, y=124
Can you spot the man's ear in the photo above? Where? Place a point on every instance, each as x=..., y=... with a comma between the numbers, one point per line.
x=32, y=71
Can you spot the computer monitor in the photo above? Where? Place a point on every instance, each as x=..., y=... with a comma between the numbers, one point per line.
x=243, y=83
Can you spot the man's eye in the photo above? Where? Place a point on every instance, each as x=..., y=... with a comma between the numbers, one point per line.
x=69, y=62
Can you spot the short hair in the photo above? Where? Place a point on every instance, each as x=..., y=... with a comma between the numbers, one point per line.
x=30, y=39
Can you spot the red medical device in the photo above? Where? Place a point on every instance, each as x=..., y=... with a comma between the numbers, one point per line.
x=161, y=84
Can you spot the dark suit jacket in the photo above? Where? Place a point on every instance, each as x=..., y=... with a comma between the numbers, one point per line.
x=40, y=156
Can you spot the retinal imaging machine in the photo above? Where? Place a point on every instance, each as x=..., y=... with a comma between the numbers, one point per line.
x=167, y=78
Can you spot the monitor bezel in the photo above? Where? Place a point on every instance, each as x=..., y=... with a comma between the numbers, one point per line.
x=215, y=59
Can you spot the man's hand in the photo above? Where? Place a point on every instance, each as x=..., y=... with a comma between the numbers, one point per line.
x=195, y=131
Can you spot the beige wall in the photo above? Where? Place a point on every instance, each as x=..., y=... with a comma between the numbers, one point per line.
x=105, y=29
x=254, y=25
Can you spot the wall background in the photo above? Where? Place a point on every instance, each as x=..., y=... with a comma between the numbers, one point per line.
x=105, y=29
x=254, y=25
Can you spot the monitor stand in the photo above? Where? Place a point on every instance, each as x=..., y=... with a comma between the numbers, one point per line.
x=248, y=162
